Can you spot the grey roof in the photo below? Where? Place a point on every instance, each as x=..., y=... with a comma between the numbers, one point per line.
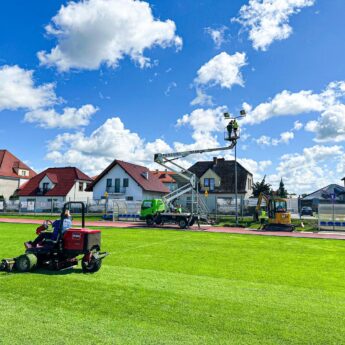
x=322, y=193
x=226, y=171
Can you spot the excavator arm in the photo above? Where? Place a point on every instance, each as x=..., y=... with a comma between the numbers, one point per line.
x=262, y=197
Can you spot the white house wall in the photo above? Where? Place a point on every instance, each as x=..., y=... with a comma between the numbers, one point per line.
x=76, y=195
x=133, y=190
x=8, y=186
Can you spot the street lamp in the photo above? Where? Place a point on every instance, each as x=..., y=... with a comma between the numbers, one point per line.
x=228, y=117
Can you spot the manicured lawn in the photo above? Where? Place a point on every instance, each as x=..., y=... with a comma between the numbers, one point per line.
x=174, y=287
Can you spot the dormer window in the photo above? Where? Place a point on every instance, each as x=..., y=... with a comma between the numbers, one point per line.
x=45, y=186
x=23, y=172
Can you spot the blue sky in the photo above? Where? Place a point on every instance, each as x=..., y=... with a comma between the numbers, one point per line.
x=110, y=102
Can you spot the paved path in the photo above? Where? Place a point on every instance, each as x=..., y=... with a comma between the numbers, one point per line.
x=206, y=228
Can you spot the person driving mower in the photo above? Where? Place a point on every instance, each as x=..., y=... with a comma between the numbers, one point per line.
x=52, y=236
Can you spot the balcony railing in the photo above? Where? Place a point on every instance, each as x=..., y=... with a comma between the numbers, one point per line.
x=116, y=190
x=42, y=191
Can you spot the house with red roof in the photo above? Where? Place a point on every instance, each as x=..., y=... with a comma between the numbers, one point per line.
x=122, y=180
x=166, y=177
x=13, y=174
x=57, y=185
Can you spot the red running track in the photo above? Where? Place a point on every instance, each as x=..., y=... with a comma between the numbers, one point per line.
x=241, y=231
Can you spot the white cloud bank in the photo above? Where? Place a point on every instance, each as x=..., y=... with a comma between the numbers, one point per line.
x=93, y=32
x=268, y=20
x=312, y=169
x=112, y=140
x=223, y=70
x=302, y=172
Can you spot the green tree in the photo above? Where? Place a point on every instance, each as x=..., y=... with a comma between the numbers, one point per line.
x=282, y=192
x=261, y=187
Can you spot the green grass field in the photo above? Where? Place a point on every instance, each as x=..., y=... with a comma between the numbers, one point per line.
x=174, y=287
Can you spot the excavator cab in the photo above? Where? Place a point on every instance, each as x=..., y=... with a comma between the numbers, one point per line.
x=279, y=219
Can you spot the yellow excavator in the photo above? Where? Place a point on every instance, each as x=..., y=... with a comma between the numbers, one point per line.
x=274, y=214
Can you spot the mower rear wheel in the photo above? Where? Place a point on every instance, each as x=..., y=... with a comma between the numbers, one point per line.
x=91, y=267
x=26, y=263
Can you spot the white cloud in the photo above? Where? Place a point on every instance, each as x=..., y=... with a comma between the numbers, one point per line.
x=287, y=103
x=257, y=168
x=223, y=70
x=70, y=117
x=297, y=125
x=171, y=86
x=268, y=20
x=265, y=140
x=330, y=126
x=217, y=35
x=93, y=32
x=310, y=170
x=202, y=98
x=18, y=90
x=286, y=137
x=205, y=120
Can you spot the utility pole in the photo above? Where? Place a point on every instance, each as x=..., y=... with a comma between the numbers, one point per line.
x=236, y=206
x=228, y=117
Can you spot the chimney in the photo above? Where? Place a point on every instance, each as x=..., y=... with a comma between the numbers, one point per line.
x=215, y=160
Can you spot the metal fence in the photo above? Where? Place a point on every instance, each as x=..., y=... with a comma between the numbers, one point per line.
x=123, y=209
x=331, y=217
x=52, y=207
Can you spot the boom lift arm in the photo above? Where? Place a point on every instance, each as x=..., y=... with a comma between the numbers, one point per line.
x=168, y=160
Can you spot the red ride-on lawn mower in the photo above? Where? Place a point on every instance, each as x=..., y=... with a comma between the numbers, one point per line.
x=62, y=252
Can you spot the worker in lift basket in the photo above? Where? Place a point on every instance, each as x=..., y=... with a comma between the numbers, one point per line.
x=235, y=127
x=229, y=127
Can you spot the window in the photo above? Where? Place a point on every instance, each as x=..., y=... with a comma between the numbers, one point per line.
x=212, y=184
x=146, y=204
x=109, y=182
x=209, y=183
x=125, y=182
x=117, y=185
x=81, y=186
x=129, y=198
x=45, y=185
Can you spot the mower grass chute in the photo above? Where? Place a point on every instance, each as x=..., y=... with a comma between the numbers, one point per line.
x=63, y=252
